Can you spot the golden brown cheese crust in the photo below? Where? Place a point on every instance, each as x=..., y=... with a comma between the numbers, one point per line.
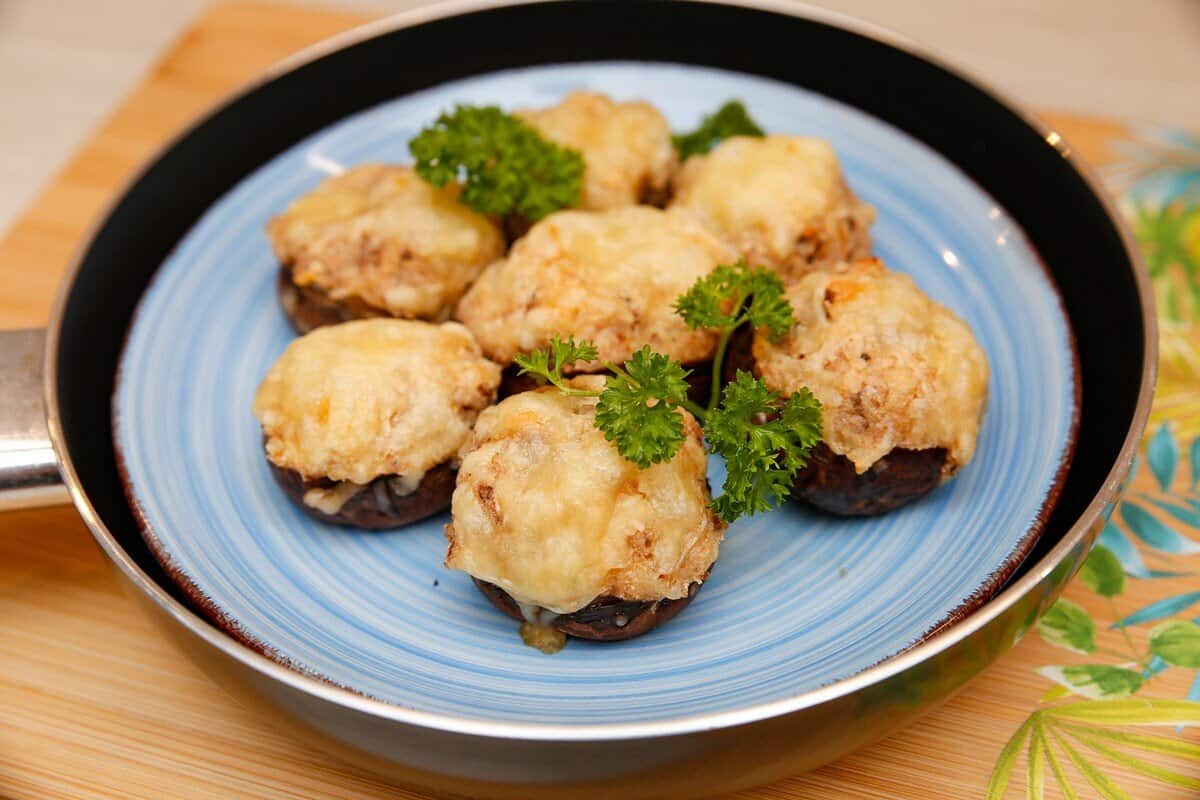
x=607, y=276
x=379, y=235
x=355, y=401
x=549, y=511
x=891, y=367
x=780, y=201
x=626, y=146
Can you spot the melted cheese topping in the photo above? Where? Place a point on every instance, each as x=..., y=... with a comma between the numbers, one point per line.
x=626, y=146
x=331, y=499
x=891, y=367
x=375, y=397
x=608, y=276
x=780, y=200
x=546, y=509
x=382, y=236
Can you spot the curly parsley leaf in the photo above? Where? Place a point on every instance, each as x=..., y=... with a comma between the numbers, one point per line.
x=714, y=301
x=569, y=351
x=764, y=441
x=769, y=306
x=718, y=300
x=638, y=409
x=505, y=166
x=547, y=364
x=731, y=119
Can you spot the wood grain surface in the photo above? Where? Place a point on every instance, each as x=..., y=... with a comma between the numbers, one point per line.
x=94, y=704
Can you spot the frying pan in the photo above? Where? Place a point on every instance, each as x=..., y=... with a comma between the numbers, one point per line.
x=1028, y=168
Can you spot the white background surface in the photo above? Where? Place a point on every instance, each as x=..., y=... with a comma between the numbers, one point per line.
x=65, y=63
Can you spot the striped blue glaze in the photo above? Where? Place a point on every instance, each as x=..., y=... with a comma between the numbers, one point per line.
x=796, y=601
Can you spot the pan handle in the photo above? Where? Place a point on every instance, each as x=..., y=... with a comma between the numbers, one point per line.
x=28, y=468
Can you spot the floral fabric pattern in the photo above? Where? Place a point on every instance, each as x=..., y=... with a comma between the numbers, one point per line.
x=1098, y=717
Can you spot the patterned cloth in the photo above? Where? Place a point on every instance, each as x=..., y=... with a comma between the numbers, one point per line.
x=1097, y=721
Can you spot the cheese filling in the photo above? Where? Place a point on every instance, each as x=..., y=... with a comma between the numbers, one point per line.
x=891, y=367
x=330, y=500
x=610, y=277
x=780, y=201
x=404, y=485
x=546, y=509
x=626, y=147
x=381, y=236
x=370, y=398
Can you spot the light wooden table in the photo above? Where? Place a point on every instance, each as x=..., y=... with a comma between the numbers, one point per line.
x=93, y=703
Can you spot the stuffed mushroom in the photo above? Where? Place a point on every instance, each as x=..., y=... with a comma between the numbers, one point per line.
x=377, y=241
x=610, y=277
x=626, y=147
x=901, y=379
x=363, y=421
x=558, y=530
x=780, y=201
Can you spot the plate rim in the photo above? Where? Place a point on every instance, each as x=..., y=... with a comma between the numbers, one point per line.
x=937, y=640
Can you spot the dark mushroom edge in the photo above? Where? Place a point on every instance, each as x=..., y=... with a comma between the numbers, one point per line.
x=605, y=619
x=831, y=483
x=378, y=505
x=309, y=308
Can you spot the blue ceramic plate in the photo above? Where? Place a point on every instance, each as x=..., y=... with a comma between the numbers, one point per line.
x=797, y=600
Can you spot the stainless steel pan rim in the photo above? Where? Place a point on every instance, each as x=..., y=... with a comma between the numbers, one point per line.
x=610, y=731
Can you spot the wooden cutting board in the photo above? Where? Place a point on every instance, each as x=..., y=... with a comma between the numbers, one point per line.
x=94, y=703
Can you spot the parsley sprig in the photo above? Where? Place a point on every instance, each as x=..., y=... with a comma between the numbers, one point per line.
x=548, y=364
x=764, y=438
x=731, y=119
x=505, y=166
x=730, y=296
x=638, y=406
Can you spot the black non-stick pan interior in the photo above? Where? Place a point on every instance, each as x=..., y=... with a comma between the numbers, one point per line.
x=1011, y=160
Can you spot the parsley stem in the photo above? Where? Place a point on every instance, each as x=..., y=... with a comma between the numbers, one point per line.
x=718, y=362
x=617, y=369
x=571, y=390
x=696, y=411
